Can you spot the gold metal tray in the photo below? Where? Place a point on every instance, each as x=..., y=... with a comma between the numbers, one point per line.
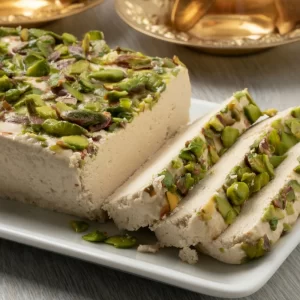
x=36, y=12
x=152, y=18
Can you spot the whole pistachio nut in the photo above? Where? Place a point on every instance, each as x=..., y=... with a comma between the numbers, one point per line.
x=238, y=193
x=120, y=241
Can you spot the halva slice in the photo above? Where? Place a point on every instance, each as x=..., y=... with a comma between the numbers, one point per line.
x=248, y=167
x=78, y=118
x=263, y=220
x=156, y=188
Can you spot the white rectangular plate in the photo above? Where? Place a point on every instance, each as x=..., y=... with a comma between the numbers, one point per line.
x=50, y=231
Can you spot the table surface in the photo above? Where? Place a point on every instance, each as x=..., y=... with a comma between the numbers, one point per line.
x=272, y=78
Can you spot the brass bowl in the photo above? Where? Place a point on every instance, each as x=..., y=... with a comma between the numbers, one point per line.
x=153, y=18
x=36, y=12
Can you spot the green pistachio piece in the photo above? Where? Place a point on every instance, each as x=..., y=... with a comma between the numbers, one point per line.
x=36, y=99
x=95, y=236
x=260, y=181
x=177, y=163
x=93, y=106
x=287, y=227
x=248, y=178
x=7, y=31
x=125, y=102
x=5, y=83
x=60, y=106
x=75, y=93
x=241, y=171
x=238, y=95
x=46, y=112
x=108, y=75
x=268, y=165
x=271, y=213
x=187, y=155
x=168, y=181
x=79, y=226
x=12, y=95
x=297, y=170
x=74, y=142
x=289, y=208
x=79, y=67
x=62, y=128
x=229, y=136
x=295, y=185
x=38, y=69
x=295, y=128
x=238, y=193
x=196, y=146
x=213, y=154
x=296, y=112
x=86, y=44
x=277, y=160
x=274, y=138
x=216, y=124
x=45, y=44
x=225, y=209
x=189, y=181
x=95, y=35
x=119, y=241
x=68, y=38
x=114, y=96
x=258, y=249
x=271, y=112
x=85, y=118
x=256, y=162
x=252, y=113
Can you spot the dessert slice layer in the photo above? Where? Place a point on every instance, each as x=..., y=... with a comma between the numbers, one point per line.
x=216, y=202
x=156, y=188
x=264, y=219
x=78, y=118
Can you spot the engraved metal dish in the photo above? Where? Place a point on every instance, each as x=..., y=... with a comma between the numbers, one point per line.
x=153, y=18
x=37, y=12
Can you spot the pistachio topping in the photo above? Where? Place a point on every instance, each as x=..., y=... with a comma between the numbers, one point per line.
x=256, y=171
x=65, y=87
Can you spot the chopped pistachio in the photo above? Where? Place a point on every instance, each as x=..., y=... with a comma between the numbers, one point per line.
x=79, y=67
x=270, y=112
x=95, y=236
x=75, y=93
x=277, y=160
x=79, y=226
x=177, y=163
x=109, y=75
x=268, y=165
x=38, y=69
x=74, y=142
x=229, y=136
x=289, y=208
x=258, y=249
x=5, y=84
x=287, y=227
x=256, y=162
x=46, y=112
x=260, y=181
x=173, y=200
x=297, y=169
x=216, y=124
x=238, y=193
x=225, y=209
x=168, y=180
x=62, y=128
x=68, y=38
x=252, y=112
x=296, y=112
x=295, y=128
x=119, y=241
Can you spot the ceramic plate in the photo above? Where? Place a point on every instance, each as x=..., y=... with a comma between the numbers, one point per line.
x=50, y=231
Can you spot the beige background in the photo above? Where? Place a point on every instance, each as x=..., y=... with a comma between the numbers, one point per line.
x=273, y=77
